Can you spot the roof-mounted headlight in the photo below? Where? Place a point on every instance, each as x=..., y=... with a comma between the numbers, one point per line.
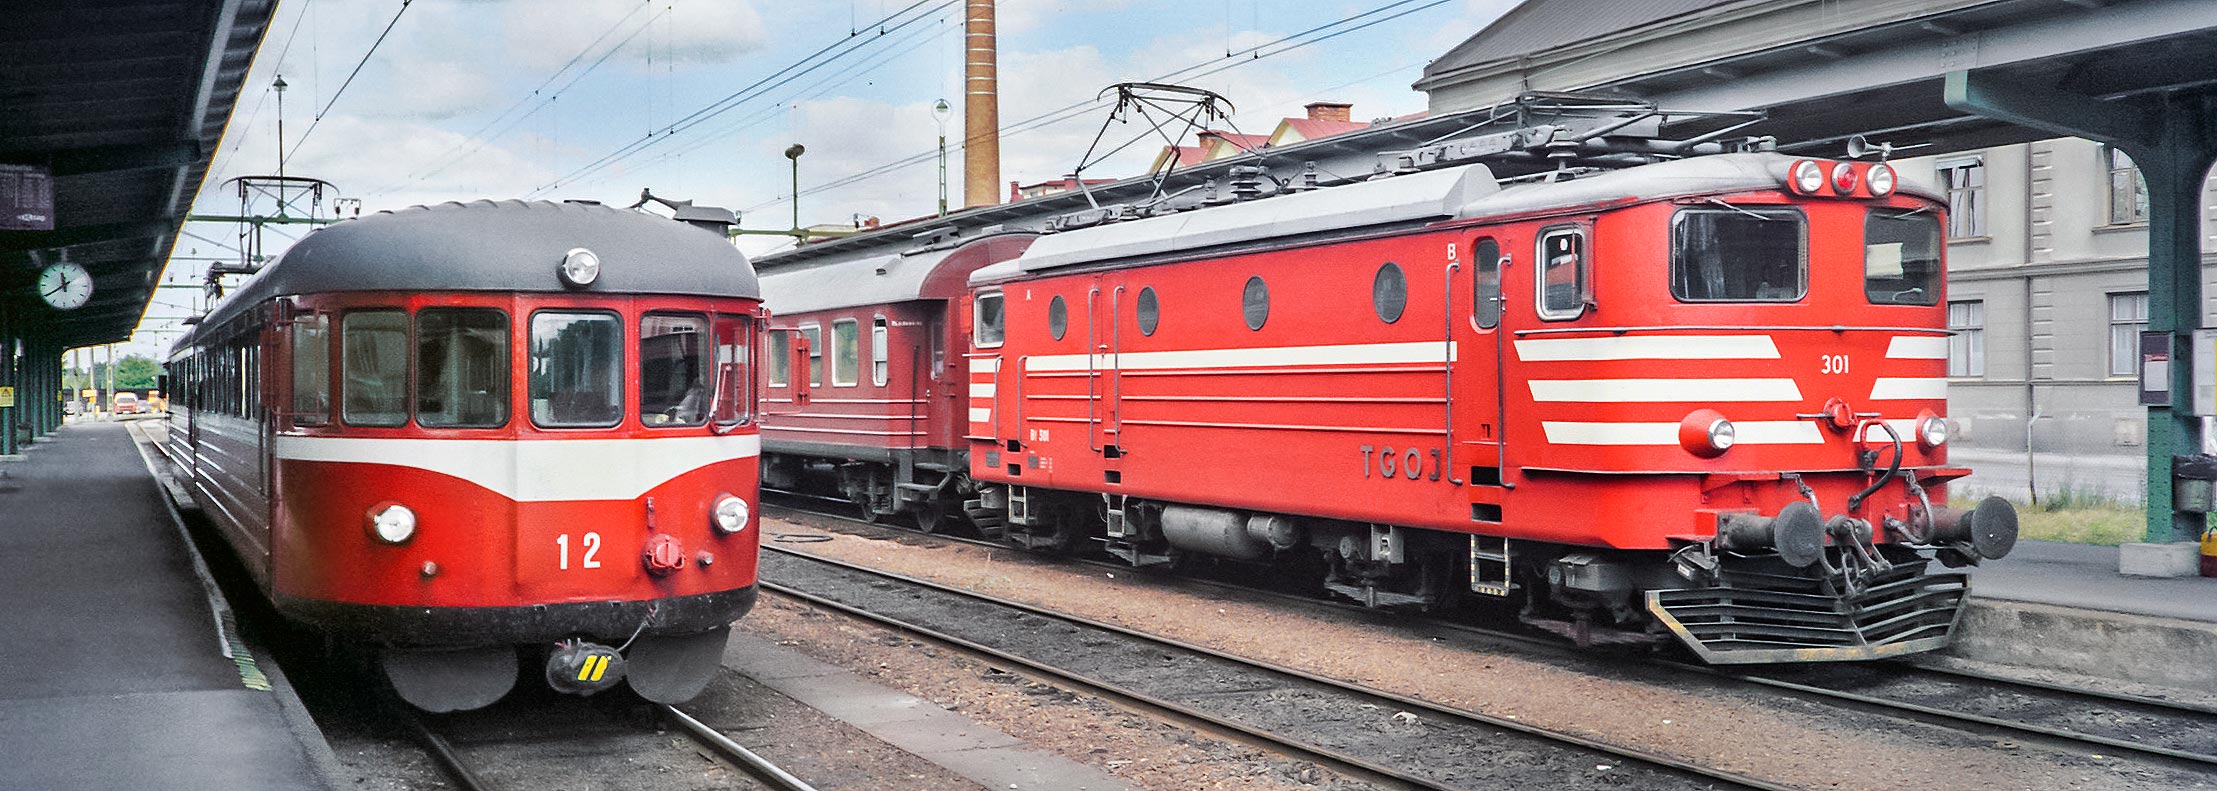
x=1881, y=179
x=1806, y=176
x=580, y=267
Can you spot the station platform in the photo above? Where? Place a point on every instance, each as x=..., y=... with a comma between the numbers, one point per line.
x=2064, y=608
x=120, y=672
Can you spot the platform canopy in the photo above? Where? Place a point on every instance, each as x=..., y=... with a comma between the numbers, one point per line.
x=119, y=105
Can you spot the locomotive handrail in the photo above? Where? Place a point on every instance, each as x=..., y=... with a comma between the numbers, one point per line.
x=1447, y=358
x=1742, y=327
x=1500, y=376
x=1092, y=428
x=1116, y=351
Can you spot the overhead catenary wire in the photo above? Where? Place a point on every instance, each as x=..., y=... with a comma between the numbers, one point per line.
x=303, y=139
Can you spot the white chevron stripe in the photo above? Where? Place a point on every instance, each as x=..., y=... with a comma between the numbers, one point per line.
x=1754, y=432
x=1658, y=391
x=1905, y=389
x=1649, y=347
x=979, y=414
x=1917, y=347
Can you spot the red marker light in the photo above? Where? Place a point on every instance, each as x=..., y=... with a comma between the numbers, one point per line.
x=1844, y=178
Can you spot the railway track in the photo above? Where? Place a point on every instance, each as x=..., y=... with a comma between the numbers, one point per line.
x=458, y=766
x=2089, y=720
x=1367, y=733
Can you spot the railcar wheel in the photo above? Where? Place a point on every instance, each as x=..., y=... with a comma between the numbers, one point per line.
x=865, y=511
x=930, y=515
x=675, y=668
x=453, y=679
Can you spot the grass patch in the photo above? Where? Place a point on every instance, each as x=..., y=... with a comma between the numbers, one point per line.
x=2077, y=518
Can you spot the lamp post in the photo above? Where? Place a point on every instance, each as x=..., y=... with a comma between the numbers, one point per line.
x=939, y=111
x=794, y=152
x=280, y=86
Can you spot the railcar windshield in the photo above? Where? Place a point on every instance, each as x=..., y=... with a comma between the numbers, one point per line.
x=1739, y=254
x=576, y=369
x=462, y=368
x=673, y=370
x=374, y=347
x=1901, y=257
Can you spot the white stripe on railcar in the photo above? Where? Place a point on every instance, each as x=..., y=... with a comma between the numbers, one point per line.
x=1664, y=391
x=537, y=470
x=1648, y=347
x=1259, y=357
x=1903, y=389
x=1917, y=347
x=1753, y=432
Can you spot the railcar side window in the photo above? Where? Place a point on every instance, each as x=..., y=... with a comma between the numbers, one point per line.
x=1254, y=302
x=1486, y=303
x=986, y=329
x=781, y=359
x=881, y=369
x=462, y=369
x=576, y=369
x=815, y=335
x=1739, y=254
x=1901, y=257
x=1562, y=276
x=846, y=363
x=1148, y=311
x=1389, y=292
x=673, y=370
x=311, y=366
x=375, y=352
x=734, y=341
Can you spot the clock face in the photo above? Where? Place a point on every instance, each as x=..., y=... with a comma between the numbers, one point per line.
x=65, y=286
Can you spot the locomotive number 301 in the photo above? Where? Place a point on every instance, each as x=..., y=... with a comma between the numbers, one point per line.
x=1410, y=463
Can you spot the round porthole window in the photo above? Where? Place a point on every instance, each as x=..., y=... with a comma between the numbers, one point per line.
x=1150, y=313
x=1389, y=292
x=1254, y=303
x=1058, y=318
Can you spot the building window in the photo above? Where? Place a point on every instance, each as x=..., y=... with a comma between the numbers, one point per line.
x=2128, y=191
x=1966, y=185
x=1967, y=347
x=2128, y=316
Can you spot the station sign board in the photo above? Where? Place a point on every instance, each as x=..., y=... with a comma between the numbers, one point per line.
x=7, y=397
x=26, y=198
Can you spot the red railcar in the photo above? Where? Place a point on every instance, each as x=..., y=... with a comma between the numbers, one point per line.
x=1701, y=397
x=884, y=424
x=467, y=432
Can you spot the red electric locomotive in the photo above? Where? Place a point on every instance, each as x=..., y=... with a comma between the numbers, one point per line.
x=1639, y=392
x=884, y=426
x=466, y=433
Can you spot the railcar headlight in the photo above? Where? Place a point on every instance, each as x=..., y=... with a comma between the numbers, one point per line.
x=1706, y=433
x=1807, y=176
x=1932, y=431
x=580, y=267
x=392, y=522
x=1881, y=179
x=729, y=514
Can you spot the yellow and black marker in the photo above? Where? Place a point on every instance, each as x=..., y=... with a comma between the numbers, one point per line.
x=578, y=667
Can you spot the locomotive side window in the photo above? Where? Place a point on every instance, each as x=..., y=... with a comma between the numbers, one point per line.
x=881, y=369
x=374, y=351
x=1562, y=278
x=1389, y=292
x=846, y=363
x=1486, y=304
x=1901, y=257
x=462, y=369
x=815, y=335
x=311, y=366
x=1058, y=318
x=673, y=370
x=986, y=327
x=781, y=359
x=734, y=341
x=1739, y=254
x=1148, y=311
x=576, y=369
x=1254, y=302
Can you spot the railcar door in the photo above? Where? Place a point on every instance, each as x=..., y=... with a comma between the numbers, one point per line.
x=1104, y=303
x=1480, y=398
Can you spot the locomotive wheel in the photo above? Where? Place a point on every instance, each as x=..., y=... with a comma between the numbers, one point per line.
x=444, y=680
x=675, y=668
x=865, y=511
x=930, y=515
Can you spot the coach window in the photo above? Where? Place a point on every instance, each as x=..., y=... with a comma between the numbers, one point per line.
x=1254, y=302
x=1901, y=257
x=781, y=359
x=576, y=369
x=986, y=325
x=1485, y=306
x=881, y=369
x=1148, y=311
x=1562, y=278
x=375, y=354
x=1739, y=254
x=311, y=366
x=1389, y=292
x=846, y=362
x=462, y=368
x=814, y=334
x=673, y=369
x=734, y=341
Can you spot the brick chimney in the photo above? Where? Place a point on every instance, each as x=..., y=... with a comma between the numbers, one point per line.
x=1329, y=111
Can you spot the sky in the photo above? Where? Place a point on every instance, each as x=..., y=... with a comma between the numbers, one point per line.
x=697, y=99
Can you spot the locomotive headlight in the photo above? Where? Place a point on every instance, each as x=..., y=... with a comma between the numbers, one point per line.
x=1706, y=433
x=392, y=522
x=580, y=267
x=1932, y=431
x=1807, y=176
x=729, y=514
x=1881, y=179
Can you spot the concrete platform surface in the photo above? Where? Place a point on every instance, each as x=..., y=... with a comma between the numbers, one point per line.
x=117, y=670
x=2083, y=576
x=992, y=758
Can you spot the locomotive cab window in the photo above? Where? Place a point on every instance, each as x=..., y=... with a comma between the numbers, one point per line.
x=1901, y=257
x=462, y=368
x=986, y=325
x=1563, y=274
x=673, y=370
x=846, y=363
x=734, y=400
x=1739, y=254
x=374, y=349
x=1485, y=306
x=576, y=369
x=311, y=371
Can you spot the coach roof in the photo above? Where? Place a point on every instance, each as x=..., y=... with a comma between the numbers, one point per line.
x=500, y=246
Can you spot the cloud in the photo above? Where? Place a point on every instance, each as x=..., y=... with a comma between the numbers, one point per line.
x=405, y=150
x=544, y=34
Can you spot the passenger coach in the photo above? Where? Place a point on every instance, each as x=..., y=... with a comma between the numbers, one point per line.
x=478, y=435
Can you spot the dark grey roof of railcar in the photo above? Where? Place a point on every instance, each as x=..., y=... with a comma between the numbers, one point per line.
x=499, y=246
